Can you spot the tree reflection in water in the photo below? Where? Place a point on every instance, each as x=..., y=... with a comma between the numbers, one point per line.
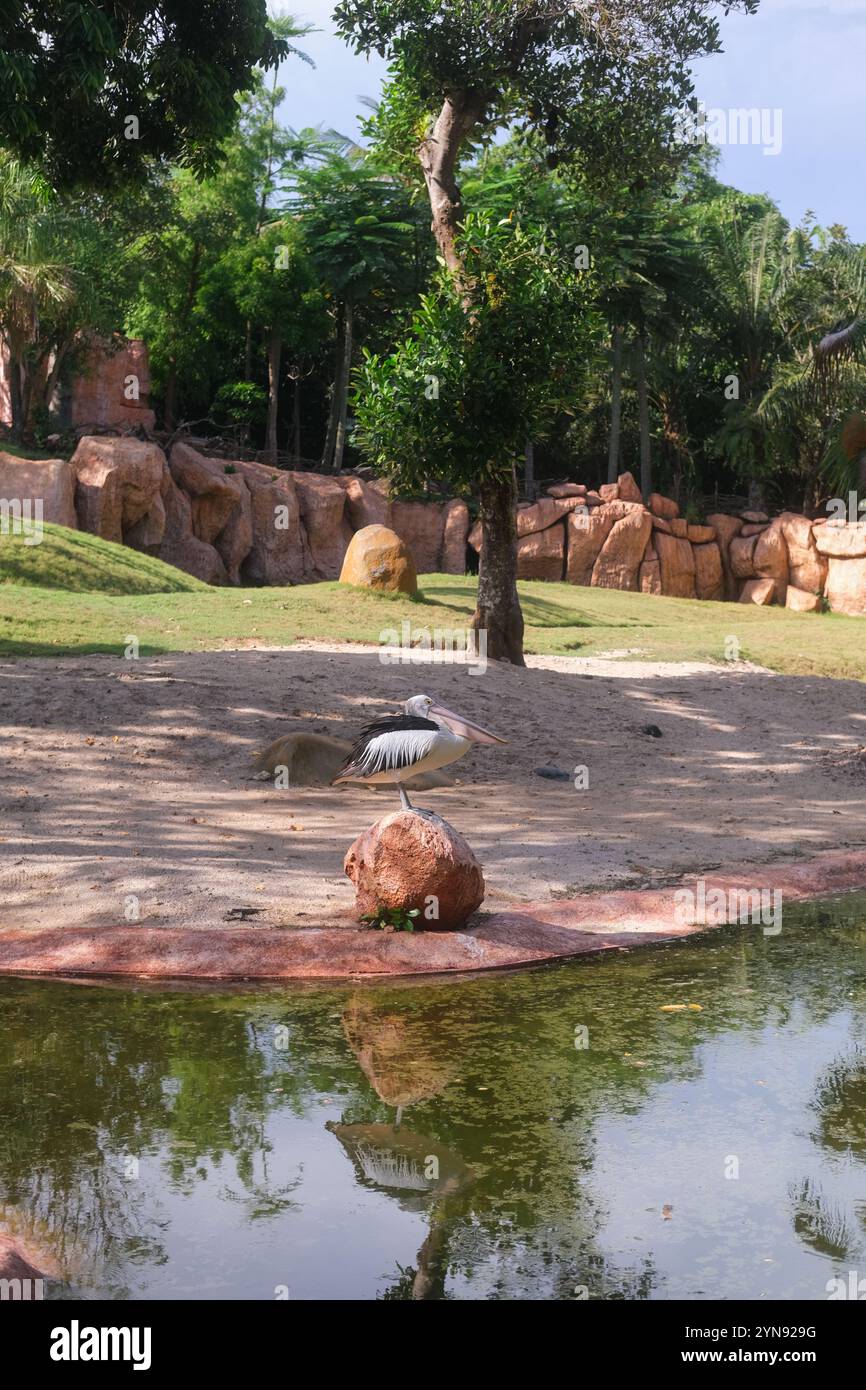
x=463, y=1103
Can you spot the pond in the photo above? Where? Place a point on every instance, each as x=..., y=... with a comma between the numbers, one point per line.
x=558, y=1133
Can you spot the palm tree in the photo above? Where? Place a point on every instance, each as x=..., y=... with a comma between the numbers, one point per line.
x=358, y=224
x=815, y=399
x=34, y=281
x=762, y=291
x=653, y=271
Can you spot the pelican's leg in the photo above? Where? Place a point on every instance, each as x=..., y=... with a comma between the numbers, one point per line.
x=404, y=800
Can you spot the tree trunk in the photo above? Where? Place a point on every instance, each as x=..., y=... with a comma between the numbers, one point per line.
x=296, y=423
x=334, y=412
x=498, y=607
x=16, y=402
x=53, y=376
x=529, y=471
x=439, y=154
x=646, y=479
x=615, y=407
x=757, y=501
x=170, y=400
x=274, y=352
x=345, y=374
x=169, y=404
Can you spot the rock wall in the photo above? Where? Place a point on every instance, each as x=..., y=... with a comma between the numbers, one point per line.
x=110, y=391
x=228, y=522
x=610, y=539
x=240, y=522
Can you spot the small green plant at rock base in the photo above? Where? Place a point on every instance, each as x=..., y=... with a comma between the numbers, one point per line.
x=391, y=919
x=230, y=468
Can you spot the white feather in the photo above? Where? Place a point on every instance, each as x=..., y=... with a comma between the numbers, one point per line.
x=398, y=750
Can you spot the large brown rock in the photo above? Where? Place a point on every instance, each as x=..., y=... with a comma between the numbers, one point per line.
x=742, y=553
x=235, y=540
x=414, y=859
x=801, y=601
x=178, y=546
x=619, y=560
x=807, y=568
x=455, y=529
x=49, y=481
x=845, y=589
x=665, y=507
x=541, y=555
x=220, y=504
x=279, y=553
x=421, y=526
x=566, y=490
x=760, y=591
x=650, y=576
x=628, y=488
x=726, y=528
x=99, y=388
x=841, y=539
x=587, y=533
x=771, y=559
x=709, y=575
x=367, y=503
x=378, y=559
x=118, y=482
x=609, y=492
x=548, y=510
x=322, y=502
x=677, y=565
x=700, y=535
x=211, y=493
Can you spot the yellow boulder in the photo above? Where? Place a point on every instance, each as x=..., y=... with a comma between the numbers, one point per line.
x=378, y=559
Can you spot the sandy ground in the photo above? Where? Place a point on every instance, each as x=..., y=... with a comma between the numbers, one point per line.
x=131, y=779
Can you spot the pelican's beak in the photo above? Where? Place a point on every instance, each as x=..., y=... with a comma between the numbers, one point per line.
x=464, y=728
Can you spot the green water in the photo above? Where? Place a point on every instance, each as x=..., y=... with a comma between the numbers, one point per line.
x=455, y=1139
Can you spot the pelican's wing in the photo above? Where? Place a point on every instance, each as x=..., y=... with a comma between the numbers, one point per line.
x=390, y=744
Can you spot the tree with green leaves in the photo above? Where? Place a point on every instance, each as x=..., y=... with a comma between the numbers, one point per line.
x=487, y=364
x=600, y=83
x=358, y=223
x=271, y=281
x=93, y=92
x=200, y=220
x=66, y=276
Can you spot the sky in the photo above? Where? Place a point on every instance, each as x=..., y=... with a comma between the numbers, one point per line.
x=802, y=58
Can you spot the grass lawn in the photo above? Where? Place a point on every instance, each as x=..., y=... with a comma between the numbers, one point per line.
x=76, y=562
x=111, y=592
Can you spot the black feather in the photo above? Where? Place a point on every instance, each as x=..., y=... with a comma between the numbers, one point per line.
x=398, y=723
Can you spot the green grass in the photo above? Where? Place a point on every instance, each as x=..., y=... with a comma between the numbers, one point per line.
x=76, y=562
x=19, y=451
x=38, y=618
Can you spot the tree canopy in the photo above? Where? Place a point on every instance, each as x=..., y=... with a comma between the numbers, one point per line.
x=93, y=91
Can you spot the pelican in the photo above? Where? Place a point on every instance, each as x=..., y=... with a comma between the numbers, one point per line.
x=424, y=737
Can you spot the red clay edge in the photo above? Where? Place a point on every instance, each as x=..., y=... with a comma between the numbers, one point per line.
x=527, y=934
